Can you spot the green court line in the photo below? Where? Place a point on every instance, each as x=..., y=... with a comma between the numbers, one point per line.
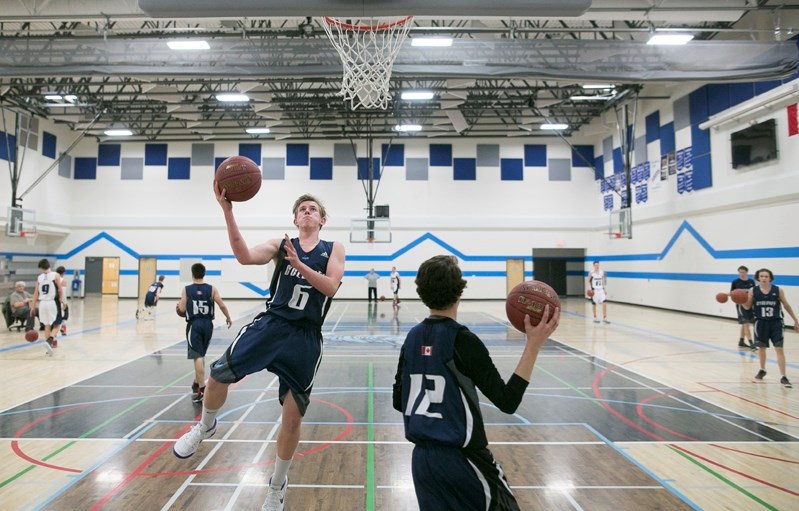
x=370, y=445
x=570, y=386
x=724, y=479
x=99, y=426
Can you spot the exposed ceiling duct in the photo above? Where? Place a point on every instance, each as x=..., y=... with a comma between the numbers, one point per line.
x=362, y=8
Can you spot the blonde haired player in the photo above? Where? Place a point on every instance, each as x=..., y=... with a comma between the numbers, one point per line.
x=597, y=280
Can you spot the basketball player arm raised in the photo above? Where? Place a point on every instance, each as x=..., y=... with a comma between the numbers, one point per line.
x=259, y=254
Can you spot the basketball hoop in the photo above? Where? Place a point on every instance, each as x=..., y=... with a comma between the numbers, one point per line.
x=30, y=236
x=367, y=54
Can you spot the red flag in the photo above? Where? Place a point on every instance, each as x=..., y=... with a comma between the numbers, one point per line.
x=793, y=120
x=427, y=351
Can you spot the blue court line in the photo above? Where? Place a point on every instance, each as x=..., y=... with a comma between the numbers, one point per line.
x=651, y=474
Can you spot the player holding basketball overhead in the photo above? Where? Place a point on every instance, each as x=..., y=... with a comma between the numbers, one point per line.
x=744, y=315
x=766, y=301
x=45, y=296
x=286, y=339
x=597, y=281
x=197, y=303
x=441, y=366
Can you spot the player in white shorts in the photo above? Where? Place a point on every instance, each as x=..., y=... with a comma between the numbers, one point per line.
x=46, y=297
x=596, y=282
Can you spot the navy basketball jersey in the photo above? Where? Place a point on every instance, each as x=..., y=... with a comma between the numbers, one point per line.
x=199, y=301
x=154, y=287
x=766, y=306
x=439, y=404
x=746, y=285
x=292, y=297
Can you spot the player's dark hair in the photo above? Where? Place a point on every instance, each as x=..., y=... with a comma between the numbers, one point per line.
x=198, y=270
x=161, y=278
x=439, y=282
x=595, y=262
x=44, y=264
x=770, y=274
x=744, y=268
x=61, y=270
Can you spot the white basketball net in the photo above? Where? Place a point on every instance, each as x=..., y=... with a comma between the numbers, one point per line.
x=367, y=55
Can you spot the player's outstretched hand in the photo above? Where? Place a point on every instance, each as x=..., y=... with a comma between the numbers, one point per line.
x=220, y=197
x=537, y=335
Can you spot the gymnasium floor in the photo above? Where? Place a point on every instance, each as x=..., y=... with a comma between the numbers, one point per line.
x=657, y=410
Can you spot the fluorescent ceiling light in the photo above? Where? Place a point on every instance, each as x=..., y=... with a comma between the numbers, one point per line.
x=52, y=97
x=407, y=127
x=431, y=41
x=670, y=39
x=417, y=95
x=554, y=126
x=118, y=132
x=590, y=98
x=232, y=97
x=71, y=98
x=598, y=86
x=188, y=45
x=258, y=131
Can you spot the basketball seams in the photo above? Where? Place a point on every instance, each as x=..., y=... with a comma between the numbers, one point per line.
x=530, y=298
x=240, y=177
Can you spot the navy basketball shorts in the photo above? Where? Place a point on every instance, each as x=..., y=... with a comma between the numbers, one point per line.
x=452, y=478
x=769, y=330
x=744, y=315
x=198, y=337
x=149, y=300
x=290, y=350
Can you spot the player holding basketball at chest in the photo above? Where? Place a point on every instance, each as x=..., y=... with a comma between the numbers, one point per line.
x=441, y=366
x=47, y=298
x=597, y=280
x=286, y=339
x=766, y=301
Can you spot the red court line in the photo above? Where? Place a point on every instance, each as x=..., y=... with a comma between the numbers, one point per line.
x=139, y=471
x=640, y=410
x=754, y=454
x=750, y=401
x=19, y=452
x=730, y=469
x=618, y=415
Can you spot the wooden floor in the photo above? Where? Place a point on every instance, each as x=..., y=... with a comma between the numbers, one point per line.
x=656, y=410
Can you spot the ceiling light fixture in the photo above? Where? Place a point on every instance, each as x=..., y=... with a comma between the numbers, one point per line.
x=417, y=95
x=669, y=39
x=118, y=132
x=597, y=86
x=590, y=98
x=407, y=127
x=232, y=97
x=554, y=126
x=431, y=42
x=188, y=45
x=258, y=131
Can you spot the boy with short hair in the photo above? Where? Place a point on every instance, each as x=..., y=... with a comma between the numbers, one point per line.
x=441, y=366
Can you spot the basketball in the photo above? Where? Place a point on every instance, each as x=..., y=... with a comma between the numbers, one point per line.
x=721, y=297
x=240, y=177
x=530, y=298
x=589, y=293
x=739, y=296
x=31, y=335
x=179, y=312
x=382, y=298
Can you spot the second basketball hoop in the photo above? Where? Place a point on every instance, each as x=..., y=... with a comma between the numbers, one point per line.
x=367, y=52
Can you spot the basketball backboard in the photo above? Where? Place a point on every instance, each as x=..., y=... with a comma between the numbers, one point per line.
x=21, y=222
x=370, y=230
x=621, y=224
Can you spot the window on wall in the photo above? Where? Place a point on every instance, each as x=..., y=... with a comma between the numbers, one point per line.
x=754, y=144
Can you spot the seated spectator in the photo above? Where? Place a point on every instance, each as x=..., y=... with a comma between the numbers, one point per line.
x=20, y=301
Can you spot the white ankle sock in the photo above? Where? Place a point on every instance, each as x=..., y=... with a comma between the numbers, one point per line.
x=281, y=470
x=208, y=418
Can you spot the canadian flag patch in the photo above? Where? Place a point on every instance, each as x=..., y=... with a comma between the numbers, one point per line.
x=427, y=351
